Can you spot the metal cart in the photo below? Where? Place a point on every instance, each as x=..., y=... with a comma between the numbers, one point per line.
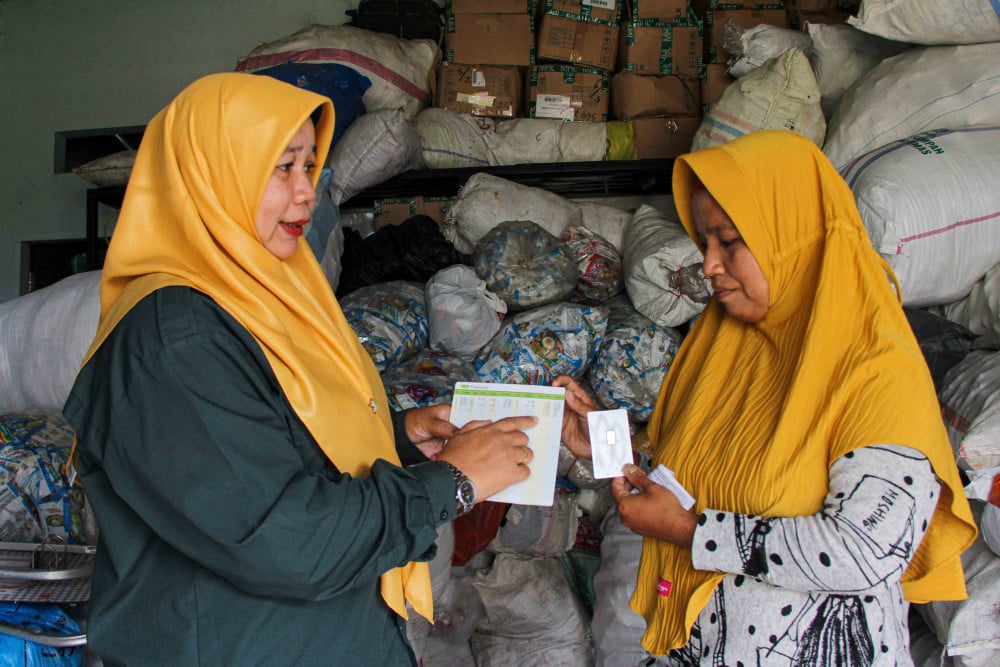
x=47, y=573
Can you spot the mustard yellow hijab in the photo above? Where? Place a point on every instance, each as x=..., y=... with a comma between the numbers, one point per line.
x=188, y=219
x=751, y=416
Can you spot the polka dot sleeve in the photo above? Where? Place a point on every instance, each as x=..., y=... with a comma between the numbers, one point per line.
x=880, y=501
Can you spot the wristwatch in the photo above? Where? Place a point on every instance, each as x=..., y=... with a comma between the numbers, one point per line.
x=465, y=490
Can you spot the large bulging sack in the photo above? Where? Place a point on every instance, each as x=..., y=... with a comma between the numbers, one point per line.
x=43, y=338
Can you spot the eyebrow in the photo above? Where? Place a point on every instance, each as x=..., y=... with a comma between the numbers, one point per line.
x=296, y=149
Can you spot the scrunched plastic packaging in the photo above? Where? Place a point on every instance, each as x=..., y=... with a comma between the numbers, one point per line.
x=427, y=379
x=535, y=346
x=36, y=499
x=632, y=361
x=390, y=320
x=598, y=263
x=524, y=265
x=462, y=314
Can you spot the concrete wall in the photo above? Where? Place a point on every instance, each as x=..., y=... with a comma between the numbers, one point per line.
x=72, y=65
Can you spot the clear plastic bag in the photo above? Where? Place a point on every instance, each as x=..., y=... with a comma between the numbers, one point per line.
x=462, y=314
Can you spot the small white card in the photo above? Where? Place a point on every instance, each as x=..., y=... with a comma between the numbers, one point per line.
x=610, y=442
x=664, y=476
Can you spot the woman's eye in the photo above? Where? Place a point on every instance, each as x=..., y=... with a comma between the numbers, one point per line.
x=284, y=166
x=310, y=167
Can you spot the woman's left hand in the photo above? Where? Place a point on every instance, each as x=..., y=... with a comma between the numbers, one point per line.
x=654, y=511
x=575, y=430
x=428, y=428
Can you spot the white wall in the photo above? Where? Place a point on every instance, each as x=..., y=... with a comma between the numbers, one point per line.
x=75, y=65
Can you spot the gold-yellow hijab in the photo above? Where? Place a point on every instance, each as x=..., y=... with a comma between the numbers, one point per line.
x=751, y=416
x=188, y=219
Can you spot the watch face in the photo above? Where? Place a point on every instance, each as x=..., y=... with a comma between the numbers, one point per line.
x=467, y=493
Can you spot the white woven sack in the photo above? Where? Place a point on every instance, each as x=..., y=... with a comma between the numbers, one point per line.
x=980, y=487
x=608, y=222
x=841, y=55
x=781, y=94
x=979, y=312
x=539, y=530
x=617, y=630
x=374, y=148
x=656, y=251
x=399, y=69
x=486, y=200
x=453, y=139
x=763, y=42
x=970, y=405
x=930, y=21
x=970, y=629
x=921, y=89
x=532, y=615
x=43, y=338
x=931, y=206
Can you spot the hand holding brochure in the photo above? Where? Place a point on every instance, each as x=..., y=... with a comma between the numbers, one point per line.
x=483, y=400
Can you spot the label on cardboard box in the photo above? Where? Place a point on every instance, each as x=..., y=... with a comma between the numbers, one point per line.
x=554, y=106
x=591, y=11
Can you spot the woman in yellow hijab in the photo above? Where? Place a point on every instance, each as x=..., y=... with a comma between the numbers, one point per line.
x=802, y=417
x=234, y=438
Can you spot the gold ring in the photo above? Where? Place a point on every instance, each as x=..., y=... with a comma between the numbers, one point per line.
x=525, y=455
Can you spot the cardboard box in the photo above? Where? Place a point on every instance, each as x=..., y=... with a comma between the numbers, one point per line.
x=701, y=7
x=398, y=211
x=489, y=6
x=798, y=19
x=652, y=47
x=744, y=18
x=480, y=90
x=716, y=80
x=490, y=39
x=635, y=95
x=664, y=136
x=569, y=92
x=597, y=11
x=579, y=33
x=666, y=11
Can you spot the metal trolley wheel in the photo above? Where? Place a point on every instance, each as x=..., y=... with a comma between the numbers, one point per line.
x=48, y=573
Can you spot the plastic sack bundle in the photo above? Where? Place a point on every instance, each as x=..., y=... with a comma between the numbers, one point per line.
x=538, y=530
x=42, y=618
x=36, y=499
x=413, y=251
x=524, y=265
x=426, y=379
x=535, y=346
x=390, y=319
x=984, y=485
x=663, y=269
x=580, y=472
x=462, y=314
x=632, y=361
x=598, y=263
x=376, y=147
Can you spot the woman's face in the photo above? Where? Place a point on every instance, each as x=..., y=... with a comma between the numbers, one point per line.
x=289, y=198
x=737, y=280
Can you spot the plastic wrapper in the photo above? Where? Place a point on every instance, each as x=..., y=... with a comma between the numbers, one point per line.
x=535, y=346
x=390, y=320
x=49, y=619
x=427, y=379
x=598, y=263
x=524, y=265
x=462, y=314
x=36, y=499
x=632, y=361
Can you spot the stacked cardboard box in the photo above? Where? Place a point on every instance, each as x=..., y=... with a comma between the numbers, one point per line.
x=488, y=43
x=569, y=92
x=726, y=19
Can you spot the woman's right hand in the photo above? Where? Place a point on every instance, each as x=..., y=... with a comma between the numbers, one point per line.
x=575, y=429
x=493, y=455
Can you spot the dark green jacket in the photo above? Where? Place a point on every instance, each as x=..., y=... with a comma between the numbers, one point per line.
x=226, y=536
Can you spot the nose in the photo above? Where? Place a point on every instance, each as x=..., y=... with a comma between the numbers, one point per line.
x=711, y=264
x=304, y=192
